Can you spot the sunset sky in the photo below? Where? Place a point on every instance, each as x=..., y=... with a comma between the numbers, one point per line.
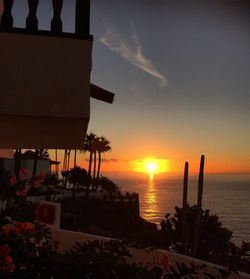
x=180, y=73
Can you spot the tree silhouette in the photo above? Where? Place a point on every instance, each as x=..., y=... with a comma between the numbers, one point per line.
x=103, y=146
x=86, y=148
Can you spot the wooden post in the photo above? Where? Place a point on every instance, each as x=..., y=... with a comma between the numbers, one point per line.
x=185, y=232
x=198, y=208
x=82, y=17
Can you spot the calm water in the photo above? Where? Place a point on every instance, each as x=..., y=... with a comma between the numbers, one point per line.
x=226, y=195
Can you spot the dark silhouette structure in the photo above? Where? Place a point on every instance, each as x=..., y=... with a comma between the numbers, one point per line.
x=45, y=80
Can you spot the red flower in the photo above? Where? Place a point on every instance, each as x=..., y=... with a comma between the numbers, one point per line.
x=24, y=172
x=18, y=193
x=165, y=261
x=22, y=227
x=5, y=230
x=13, y=179
x=26, y=226
x=42, y=175
x=10, y=268
x=25, y=190
x=36, y=183
x=7, y=260
x=4, y=250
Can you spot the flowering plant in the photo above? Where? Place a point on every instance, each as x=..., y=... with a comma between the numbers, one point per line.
x=25, y=249
x=22, y=182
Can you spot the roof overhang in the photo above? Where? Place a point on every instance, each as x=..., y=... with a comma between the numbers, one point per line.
x=101, y=94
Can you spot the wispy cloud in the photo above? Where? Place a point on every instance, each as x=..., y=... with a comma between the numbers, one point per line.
x=112, y=160
x=135, y=56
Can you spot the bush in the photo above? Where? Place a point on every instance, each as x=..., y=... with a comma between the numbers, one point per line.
x=214, y=240
x=108, y=185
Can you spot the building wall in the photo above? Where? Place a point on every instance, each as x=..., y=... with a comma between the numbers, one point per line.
x=6, y=153
x=9, y=165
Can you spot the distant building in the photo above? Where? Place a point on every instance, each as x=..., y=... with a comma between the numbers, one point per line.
x=27, y=162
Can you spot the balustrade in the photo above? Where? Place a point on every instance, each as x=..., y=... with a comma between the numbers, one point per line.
x=81, y=17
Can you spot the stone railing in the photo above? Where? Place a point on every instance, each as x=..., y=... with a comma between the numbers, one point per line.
x=82, y=17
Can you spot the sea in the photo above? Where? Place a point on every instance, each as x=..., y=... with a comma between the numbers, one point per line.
x=226, y=195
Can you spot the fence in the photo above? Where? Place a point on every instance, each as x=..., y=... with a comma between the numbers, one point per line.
x=82, y=17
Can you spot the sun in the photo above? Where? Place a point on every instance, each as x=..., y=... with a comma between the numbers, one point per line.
x=151, y=167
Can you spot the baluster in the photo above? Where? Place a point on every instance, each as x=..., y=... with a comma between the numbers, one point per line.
x=56, y=23
x=82, y=17
x=7, y=19
x=31, y=20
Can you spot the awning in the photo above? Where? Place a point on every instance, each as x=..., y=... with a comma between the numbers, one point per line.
x=101, y=94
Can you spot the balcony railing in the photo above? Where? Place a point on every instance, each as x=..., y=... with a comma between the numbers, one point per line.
x=82, y=18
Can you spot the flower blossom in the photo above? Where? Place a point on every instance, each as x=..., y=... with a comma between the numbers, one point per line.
x=165, y=261
x=4, y=230
x=24, y=172
x=4, y=250
x=13, y=179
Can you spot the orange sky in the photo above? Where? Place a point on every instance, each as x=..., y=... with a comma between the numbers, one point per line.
x=213, y=164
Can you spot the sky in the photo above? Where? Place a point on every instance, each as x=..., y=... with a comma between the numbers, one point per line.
x=180, y=73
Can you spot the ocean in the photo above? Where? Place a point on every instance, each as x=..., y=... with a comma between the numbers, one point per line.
x=226, y=195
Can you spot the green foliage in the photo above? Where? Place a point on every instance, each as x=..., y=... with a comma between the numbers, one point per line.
x=28, y=250
x=76, y=176
x=51, y=180
x=214, y=246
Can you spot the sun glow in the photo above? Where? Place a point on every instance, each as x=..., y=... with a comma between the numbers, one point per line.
x=151, y=165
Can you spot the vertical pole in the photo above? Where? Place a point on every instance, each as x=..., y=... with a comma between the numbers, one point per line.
x=56, y=165
x=1, y=10
x=185, y=231
x=198, y=208
x=75, y=159
x=82, y=17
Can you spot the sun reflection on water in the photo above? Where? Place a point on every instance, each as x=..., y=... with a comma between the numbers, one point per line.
x=151, y=200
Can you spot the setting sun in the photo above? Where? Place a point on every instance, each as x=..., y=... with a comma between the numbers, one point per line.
x=151, y=165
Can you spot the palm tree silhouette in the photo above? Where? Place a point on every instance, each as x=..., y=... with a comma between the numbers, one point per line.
x=87, y=144
x=103, y=146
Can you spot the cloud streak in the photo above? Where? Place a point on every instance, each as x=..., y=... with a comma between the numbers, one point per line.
x=115, y=43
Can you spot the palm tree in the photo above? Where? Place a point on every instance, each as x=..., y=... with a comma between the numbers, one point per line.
x=75, y=159
x=87, y=144
x=42, y=153
x=103, y=146
x=94, y=149
x=17, y=157
x=35, y=162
